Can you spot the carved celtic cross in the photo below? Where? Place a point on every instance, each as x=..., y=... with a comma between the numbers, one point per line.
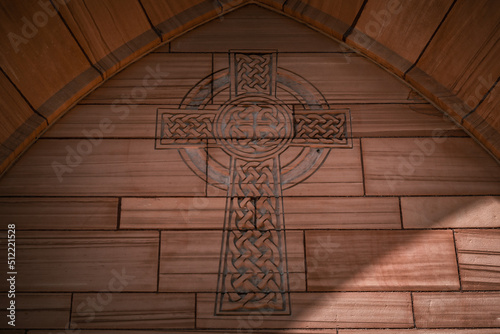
x=254, y=127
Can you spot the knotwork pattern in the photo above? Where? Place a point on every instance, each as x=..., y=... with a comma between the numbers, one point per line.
x=253, y=130
x=254, y=127
x=321, y=128
x=255, y=276
x=254, y=179
x=253, y=73
x=186, y=126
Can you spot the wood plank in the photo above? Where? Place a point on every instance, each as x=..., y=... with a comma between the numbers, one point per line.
x=341, y=78
x=19, y=125
x=372, y=120
x=384, y=29
x=380, y=260
x=85, y=261
x=157, y=79
x=341, y=213
x=253, y=27
x=339, y=175
x=129, y=121
x=190, y=260
x=321, y=310
x=208, y=282
x=333, y=17
x=172, y=17
x=60, y=213
x=14, y=112
x=335, y=174
x=456, y=309
x=421, y=331
x=66, y=74
x=484, y=123
x=40, y=310
x=194, y=213
x=277, y=4
x=454, y=212
x=227, y=331
x=107, y=167
x=428, y=166
x=462, y=54
x=400, y=120
x=479, y=259
x=345, y=78
x=134, y=310
x=110, y=44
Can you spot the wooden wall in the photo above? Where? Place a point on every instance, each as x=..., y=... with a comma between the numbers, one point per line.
x=53, y=55
x=397, y=235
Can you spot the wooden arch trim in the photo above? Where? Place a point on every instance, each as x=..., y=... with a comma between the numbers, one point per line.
x=55, y=52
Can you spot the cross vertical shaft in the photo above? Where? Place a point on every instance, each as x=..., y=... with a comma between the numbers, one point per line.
x=253, y=271
x=254, y=128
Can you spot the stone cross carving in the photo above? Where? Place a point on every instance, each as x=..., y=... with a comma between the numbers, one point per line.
x=253, y=127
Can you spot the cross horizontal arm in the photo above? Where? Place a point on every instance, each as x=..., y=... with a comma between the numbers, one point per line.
x=319, y=128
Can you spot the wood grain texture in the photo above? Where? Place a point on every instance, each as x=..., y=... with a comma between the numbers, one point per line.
x=133, y=310
x=196, y=213
x=454, y=212
x=14, y=112
x=455, y=309
x=428, y=166
x=262, y=28
x=339, y=175
x=113, y=167
x=110, y=44
x=479, y=259
x=461, y=56
x=400, y=120
x=322, y=310
x=484, y=123
x=190, y=260
x=341, y=213
x=172, y=17
x=65, y=75
x=380, y=260
x=213, y=331
x=333, y=17
x=345, y=78
x=157, y=79
x=85, y=261
x=384, y=28
x=421, y=331
x=342, y=78
x=131, y=121
x=60, y=213
x=19, y=125
x=40, y=310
